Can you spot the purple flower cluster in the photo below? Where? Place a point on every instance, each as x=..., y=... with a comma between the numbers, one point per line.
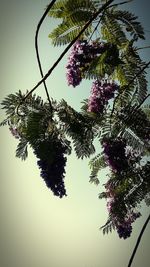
x=82, y=54
x=53, y=169
x=114, y=151
x=118, y=155
x=101, y=92
x=124, y=230
x=123, y=226
x=14, y=131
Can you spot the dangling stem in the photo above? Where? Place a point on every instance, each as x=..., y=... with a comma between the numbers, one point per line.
x=138, y=241
x=37, y=50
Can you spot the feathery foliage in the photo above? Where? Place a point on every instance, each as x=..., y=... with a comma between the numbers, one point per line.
x=74, y=15
x=120, y=123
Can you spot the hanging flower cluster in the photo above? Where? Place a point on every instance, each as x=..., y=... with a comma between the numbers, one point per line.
x=82, y=53
x=115, y=154
x=121, y=217
x=52, y=165
x=124, y=228
x=123, y=225
x=101, y=92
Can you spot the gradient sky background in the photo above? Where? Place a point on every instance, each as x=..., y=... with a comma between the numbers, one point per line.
x=36, y=228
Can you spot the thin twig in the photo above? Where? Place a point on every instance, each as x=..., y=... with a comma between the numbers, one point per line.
x=144, y=47
x=142, y=102
x=66, y=49
x=138, y=241
x=95, y=28
x=37, y=50
x=121, y=3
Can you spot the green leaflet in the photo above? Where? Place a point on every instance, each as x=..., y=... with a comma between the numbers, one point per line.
x=141, y=187
x=108, y=226
x=79, y=128
x=74, y=15
x=21, y=151
x=112, y=31
x=63, y=34
x=11, y=102
x=137, y=121
x=96, y=164
x=133, y=26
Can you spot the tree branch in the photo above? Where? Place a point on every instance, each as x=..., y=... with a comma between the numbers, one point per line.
x=67, y=48
x=142, y=101
x=95, y=29
x=138, y=241
x=144, y=47
x=37, y=50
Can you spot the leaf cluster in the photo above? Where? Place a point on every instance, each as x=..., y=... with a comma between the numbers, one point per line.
x=74, y=15
x=79, y=128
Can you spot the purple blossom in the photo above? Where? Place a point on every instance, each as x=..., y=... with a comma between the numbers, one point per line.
x=123, y=225
x=73, y=76
x=110, y=203
x=14, y=131
x=124, y=230
x=52, y=169
x=82, y=53
x=101, y=92
x=114, y=151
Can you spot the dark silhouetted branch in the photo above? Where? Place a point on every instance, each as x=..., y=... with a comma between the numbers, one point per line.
x=138, y=241
x=37, y=49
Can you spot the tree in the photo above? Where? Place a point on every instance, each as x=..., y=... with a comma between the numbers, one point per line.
x=103, y=40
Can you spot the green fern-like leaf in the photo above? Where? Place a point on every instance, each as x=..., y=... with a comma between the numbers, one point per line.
x=96, y=164
x=146, y=109
x=74, y=15
x=103, y=64
x=108, y=227
x=21, y=151
x=137, y=121
x=36, y=127
x=102, y=195
x=64, y=8
x=79, y=128
x=140, y=187
x=112, y=31
x=64, y=33
x=11, y=102
x=134, y=64
x=129, y=20
x=133, y=140
x=4, y=122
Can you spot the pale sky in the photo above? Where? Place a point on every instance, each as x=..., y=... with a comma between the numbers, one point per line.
x=37, y=229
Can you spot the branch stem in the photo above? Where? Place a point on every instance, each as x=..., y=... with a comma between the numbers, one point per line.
x=144, y=47
x=37, y=49
x=121, y=3
x=138, y=241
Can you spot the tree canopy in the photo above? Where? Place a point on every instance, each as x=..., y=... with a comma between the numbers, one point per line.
x=103, y=42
